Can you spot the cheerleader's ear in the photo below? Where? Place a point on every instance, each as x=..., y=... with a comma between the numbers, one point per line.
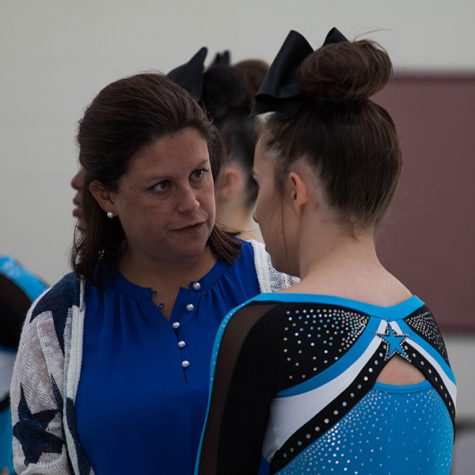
x=299, y=192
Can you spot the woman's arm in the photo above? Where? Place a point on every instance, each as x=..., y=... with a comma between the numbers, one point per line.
x=244, y=383
x=37, y=400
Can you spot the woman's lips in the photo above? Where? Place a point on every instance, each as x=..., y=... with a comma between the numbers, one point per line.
x=191, y=227
x=77, y=210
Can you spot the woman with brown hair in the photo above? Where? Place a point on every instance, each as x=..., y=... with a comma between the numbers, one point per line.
x=227, y=92
x=113, y=365
x=346, y=372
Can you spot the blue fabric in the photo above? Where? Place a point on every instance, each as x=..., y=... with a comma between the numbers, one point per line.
x=369, y=439
x=391, y=312
x=30, y=283
x=392, y=429
x=6, y=457
x=138, y=410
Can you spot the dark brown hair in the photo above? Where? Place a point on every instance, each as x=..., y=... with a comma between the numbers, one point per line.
x=348, y=139
x=228, y=98
x=253, y=72
x=125, y=116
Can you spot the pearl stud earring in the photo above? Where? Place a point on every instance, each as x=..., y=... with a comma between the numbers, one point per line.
x=110, y=214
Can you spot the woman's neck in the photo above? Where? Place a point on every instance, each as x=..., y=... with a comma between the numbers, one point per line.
x=336, y=249
x=236, y=217
x=346, y=266
x=249, y=229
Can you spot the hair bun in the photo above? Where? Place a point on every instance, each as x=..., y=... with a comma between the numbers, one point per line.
x=345, y=71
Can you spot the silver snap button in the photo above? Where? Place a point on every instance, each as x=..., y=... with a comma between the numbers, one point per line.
x=176, y=325
x=190, y=307
x=185, y=364
x=181, y=344
x=196, y=286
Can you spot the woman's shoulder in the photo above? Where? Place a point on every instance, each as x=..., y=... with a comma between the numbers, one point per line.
x=59, y=298
x=253, y=251
x=50, y=312
x=246, y=261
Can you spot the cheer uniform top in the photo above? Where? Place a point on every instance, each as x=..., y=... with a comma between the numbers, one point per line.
x=294, y=378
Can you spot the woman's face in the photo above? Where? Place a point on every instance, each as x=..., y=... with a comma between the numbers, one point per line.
x=165, y=200
x=269, y=207
x=77, y=184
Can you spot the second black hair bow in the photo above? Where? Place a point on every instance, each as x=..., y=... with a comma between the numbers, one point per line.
x=190, y=75
x=280, y=90
x=222, y=59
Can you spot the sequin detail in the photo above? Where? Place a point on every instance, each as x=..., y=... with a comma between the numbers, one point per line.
x=323, y=332
x=381, y=425
x=425, y=325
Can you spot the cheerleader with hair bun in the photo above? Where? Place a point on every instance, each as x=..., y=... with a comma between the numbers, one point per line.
x=345, y=372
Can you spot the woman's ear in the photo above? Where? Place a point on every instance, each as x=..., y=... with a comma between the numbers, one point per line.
x=300, y=192
x=230, y=181
x=103, y=196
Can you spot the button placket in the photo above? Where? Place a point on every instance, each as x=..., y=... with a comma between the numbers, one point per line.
x=196, y=286
x=189, y=308
x=181, y=343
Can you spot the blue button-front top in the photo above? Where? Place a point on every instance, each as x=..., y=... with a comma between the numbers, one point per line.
x=143, y=390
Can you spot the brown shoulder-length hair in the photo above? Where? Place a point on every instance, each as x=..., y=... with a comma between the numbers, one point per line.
x=349, y=140
x=125, y=116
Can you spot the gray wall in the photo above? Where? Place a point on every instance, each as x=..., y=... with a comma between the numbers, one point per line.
x=56, y=55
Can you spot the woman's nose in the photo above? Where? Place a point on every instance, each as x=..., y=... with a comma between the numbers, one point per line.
x=77, y=180
x=188, y=200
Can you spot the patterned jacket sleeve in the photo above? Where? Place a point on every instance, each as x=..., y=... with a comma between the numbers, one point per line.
x=37, y=394
x=270, y=280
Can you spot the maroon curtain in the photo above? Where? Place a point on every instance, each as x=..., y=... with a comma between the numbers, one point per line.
x=428, y=237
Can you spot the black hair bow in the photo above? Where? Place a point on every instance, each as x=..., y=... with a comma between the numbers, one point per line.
x=190, y=75
x=280, y=90
x=217, y=88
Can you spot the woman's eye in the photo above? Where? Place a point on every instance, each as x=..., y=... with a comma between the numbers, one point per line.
x=199, y=174
x=161, y=187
